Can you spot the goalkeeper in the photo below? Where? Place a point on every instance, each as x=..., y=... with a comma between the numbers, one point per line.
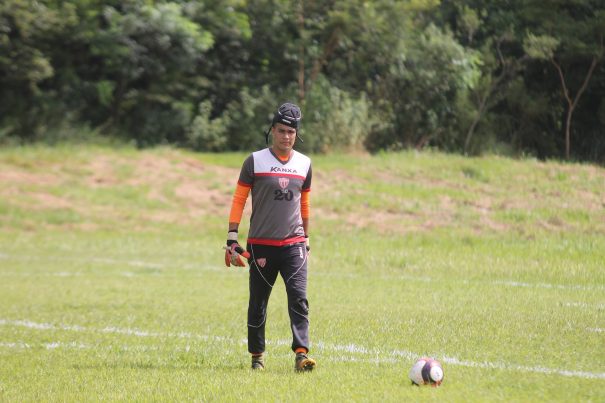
x=279, y=179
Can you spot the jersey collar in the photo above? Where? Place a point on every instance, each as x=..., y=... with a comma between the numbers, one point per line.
x=279, y=159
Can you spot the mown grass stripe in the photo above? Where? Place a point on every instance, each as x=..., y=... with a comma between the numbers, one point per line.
x=218, y=268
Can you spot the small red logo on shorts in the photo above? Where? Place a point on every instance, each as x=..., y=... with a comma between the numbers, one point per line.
x=261, y=262
x=283, y=182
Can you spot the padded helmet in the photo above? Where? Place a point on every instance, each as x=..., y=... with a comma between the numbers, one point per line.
x=289, y=115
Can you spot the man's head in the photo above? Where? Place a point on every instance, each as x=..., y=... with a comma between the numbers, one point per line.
x=284, y=138
x=288, y=115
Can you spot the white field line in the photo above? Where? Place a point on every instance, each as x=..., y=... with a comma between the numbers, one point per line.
x=338, y=358
x=549, y=286
x=218, y=268
x=367, y=354
x=110, y=329
x=98, y=260
x=595, y=329
x=584, y=305
x=21, y=345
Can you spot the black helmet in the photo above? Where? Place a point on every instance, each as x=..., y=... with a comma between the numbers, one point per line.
x=289, y=115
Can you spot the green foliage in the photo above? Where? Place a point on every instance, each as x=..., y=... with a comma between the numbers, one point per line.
x=206, y=134
x=105, y=90
x=25, y=62
x=430, y=71
x=335, y=120
x=416, y=73
x=249, y=116
x=541, y=46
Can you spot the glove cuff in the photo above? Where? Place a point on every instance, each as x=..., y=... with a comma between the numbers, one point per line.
x=231, y=238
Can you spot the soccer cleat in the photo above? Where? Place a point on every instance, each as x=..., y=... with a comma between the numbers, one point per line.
x=303, y=363
x=258, y=362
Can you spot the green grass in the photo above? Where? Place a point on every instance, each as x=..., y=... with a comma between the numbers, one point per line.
x=113, y=288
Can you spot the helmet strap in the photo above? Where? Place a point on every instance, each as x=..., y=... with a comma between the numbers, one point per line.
x=267, y=134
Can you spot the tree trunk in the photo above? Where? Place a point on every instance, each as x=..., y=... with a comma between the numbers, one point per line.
x=573, y=102
x=480, y=113
x=301, y=53
x=328, y=49
x=568, y=132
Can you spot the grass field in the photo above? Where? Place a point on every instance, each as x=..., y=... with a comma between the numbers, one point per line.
x=113, y=287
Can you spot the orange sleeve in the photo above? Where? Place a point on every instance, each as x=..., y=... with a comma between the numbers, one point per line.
x=239, y=202
x=305, y=204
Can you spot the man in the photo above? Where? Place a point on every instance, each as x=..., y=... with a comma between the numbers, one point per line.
x=278, y=239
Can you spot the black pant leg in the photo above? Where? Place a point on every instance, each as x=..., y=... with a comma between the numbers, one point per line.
x=263, y=273
x=294, y=273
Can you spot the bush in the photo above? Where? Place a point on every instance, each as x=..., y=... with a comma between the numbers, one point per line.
x=250, y=116
x=334, y=119
x=159, y=123
x=206, y=134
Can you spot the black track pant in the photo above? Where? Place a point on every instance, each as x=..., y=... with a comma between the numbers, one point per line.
x=265, y=263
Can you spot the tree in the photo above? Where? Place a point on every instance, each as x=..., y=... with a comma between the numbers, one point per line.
x=499, y=71
x=26, y=63
x=485, y=27
x=570, y=42
x=544, y=47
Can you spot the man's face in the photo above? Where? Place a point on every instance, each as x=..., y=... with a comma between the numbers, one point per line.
x=283, y=138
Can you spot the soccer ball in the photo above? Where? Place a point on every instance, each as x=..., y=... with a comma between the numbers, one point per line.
x=426, y=371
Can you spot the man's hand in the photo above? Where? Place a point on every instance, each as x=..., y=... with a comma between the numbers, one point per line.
x=307, y=245
x=234, y=253
x=233, y=256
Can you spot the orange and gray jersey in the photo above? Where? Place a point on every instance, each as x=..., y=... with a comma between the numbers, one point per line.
x=276, y=188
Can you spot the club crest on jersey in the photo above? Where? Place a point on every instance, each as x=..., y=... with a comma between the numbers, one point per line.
x=261, y=262
x=283, y=182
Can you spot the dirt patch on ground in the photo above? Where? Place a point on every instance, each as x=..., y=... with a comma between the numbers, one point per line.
x=12, y=176
x=481, y=205
x=163, y=188
x=173, y=187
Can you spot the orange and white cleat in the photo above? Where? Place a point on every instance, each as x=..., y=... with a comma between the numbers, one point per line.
x=303, y=363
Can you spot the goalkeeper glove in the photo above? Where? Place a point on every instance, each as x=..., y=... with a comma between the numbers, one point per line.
x=234, y=253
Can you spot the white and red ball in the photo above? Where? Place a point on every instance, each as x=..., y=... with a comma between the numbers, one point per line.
x=426, y=371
